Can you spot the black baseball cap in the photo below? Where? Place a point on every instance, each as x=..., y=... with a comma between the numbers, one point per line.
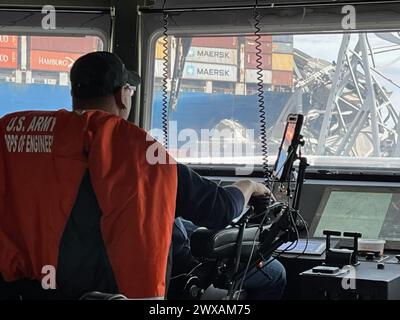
x=99, y=74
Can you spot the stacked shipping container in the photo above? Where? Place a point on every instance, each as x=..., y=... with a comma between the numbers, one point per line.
x=223, y=59
x=250, y=59
x=282, y=60
x=57, y=53
x=233, y=59
x=211, y=59
x=53, y=54
x=276, y=60
x=8, y=52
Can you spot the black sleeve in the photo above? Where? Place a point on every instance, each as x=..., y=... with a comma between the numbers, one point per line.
x=204, y=202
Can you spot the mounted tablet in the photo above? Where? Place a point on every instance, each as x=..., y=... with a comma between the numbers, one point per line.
x=288, y=148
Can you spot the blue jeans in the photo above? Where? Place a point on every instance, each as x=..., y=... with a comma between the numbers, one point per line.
x=267, y=284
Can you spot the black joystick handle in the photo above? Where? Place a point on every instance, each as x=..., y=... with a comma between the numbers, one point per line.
x=260, y=203
x=328, y=234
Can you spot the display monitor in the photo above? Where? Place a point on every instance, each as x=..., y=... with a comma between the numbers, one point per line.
x=375, y=213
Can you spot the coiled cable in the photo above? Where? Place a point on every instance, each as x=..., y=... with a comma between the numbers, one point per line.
x=164, y=110
x=260, y=94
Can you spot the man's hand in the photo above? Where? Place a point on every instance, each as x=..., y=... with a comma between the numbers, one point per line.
x=250, y=188
x=260, y=190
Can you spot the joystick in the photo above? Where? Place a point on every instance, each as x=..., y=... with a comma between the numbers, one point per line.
x=260, y=203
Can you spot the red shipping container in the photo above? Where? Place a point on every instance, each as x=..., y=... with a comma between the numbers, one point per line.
x=64, y=44
x=52, y=61
x=282, y=78
x=250, y=46
x=250, y=61
x=8, y=58
x=8, y=41
x=215, y=42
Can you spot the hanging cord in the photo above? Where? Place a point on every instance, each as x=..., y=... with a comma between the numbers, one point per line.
x=259, y=229
x=164, y=112
x=260, y=94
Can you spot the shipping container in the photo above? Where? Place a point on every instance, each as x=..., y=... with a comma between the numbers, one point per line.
x=282, y=47
x=158, y=68
x=263, y=38
x=250, y=61
x=160, y=49
x=63, y=44
x=52, y=61
x=8, y=58
x=212, y=55
x=283, y=62
x=215, y=42
x=251, y=76
x=283, y=38
x=8, y=41
x=282, y=78
x=250, y=47
x=213, y=72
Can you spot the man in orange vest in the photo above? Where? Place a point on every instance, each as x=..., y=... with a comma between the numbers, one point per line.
x=81, y=207
x=79, y=195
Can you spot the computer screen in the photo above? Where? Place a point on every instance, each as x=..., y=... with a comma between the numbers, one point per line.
x=375, y=214
x=283, y=151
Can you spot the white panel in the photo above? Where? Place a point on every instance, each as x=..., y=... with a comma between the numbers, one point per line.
x=251, y=76
x=212, y=55
x=202, y=71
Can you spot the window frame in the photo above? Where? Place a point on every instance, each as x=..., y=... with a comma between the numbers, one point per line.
x=196, y=24
x=73, y=29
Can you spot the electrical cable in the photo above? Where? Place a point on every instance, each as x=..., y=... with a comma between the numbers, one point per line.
x=304, y=222
x=294, y=222
x=164, y=112
x=187, y=273
x=290, y=247
x=251, y=255
x=271, y=259
x=260, y=94
x=258, y=230
x=263, y=126
x=307, y=238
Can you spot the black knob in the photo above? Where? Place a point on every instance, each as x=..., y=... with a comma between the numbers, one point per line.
x=380, y=266
x=331, y=233
x=260, y=203
x=352, y=234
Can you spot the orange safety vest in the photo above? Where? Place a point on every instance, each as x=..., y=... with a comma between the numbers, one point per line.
x=43, y=158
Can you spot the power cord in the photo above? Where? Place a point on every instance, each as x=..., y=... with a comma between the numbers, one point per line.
x=260, y=94
x=164, y=112
x=258, y=230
